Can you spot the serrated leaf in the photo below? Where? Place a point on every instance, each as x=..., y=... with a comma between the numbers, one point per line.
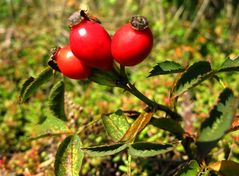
x=230, y=65
x=56, y=100
x=166, y=67
x=169, y=125
x=218, y=122
x=147, y=149
x=31, y=85
x=69, y=157
x=105, y=150
x=225, y=167
x=137, y=126
x=51, y=125
x=115, y=125
x=193, y=76
x=191, y=169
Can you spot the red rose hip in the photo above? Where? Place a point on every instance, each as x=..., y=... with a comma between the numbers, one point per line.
x=69, y=65
x=90, y=42
x=132, y=43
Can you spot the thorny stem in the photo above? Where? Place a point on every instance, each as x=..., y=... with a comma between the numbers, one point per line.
x=152, y=104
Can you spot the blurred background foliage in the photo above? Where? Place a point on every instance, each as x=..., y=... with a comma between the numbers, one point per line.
x=184, y=31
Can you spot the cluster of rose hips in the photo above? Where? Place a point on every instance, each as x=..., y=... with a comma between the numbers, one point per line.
x=91, y=46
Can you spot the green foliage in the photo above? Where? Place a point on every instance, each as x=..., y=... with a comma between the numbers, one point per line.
x=190, y=169
x=50, y=125
x=166, y=67
x=69, y=157
x=115, y=125
x=182, y=33
x=104, y=150
x=218, y=122
x=169, y=125
x=193, y=76
x=105, y=78
x=57, y=100
x=146, y=149
x=32, y=84
x=230, y=65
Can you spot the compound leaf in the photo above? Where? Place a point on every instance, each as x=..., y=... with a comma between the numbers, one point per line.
x=115, y=125
x=56, y=100
x=166, y=67
x=69, y=157
x=105, y=150
x=147, y=149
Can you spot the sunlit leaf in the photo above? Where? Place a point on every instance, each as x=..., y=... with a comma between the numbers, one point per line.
x=115, y=125
x=50, y=125
x=137, y=126
x=230, y=65
x=146, y=149
x=105, y=150
x=31, y=85
x=56, y=100
x=69, y=157
x=193, y=76
x=191, y=169
x=218, y=122
x=166, y=67
x=225, y=167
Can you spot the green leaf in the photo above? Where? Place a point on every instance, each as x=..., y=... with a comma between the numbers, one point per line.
x=146, y=149
x=115, y=125
x=32, y=84
x=25, y=85
x=191, y=169
x=225, y=167
x=166, y=67
x=69, y=157
x=194, y=75
x=56, y=100
x=218, y=122
x=50, y=125
x=230, y=65
x=105, y=150
x=107, y=78
x=169, y=125
x=137, y=126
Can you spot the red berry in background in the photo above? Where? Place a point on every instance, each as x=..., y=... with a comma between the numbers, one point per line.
x=90, y=42
x=132, y=43
x=69, y=65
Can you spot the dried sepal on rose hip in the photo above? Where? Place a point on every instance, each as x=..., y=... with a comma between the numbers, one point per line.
x=132, y=43
x=69, y=65
x=90, y=41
